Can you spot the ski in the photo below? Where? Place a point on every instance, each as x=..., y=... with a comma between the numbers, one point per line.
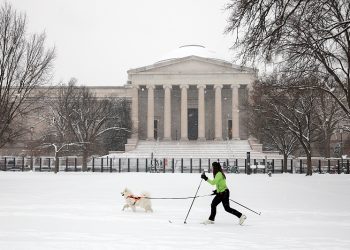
x=178, y=223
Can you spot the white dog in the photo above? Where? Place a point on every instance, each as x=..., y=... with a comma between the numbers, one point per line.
x=134, y=201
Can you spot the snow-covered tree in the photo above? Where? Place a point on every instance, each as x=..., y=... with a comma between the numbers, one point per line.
x=328, y=118
x=116, y=139
x=78, y=118
x=307, y=37
x=264, y=125
x=57, y=115
x=286, y=114
x=24, y=65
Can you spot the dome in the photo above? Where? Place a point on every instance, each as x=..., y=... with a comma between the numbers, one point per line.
x=191, y=50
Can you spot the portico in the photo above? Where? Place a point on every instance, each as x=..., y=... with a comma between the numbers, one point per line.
x=193, y=96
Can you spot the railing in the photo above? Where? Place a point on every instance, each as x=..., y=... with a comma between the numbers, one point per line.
x=172, y=165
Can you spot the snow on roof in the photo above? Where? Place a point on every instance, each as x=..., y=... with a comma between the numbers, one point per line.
x=191, y=50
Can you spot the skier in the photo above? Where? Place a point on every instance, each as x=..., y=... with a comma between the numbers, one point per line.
x=222, y=194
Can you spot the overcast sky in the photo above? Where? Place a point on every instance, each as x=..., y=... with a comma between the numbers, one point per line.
x=97, y=41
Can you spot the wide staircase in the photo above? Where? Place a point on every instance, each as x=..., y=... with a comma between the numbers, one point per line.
x=192, y=149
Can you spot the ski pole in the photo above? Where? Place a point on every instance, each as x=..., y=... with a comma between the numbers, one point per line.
x=193, y=201
x=245, y=207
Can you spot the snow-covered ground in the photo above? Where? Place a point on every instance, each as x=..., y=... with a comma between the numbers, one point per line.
x=83, y=211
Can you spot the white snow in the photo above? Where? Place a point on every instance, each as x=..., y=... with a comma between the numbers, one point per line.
x=83, y=211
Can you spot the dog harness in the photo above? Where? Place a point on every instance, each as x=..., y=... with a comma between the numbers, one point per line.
x=135, y=198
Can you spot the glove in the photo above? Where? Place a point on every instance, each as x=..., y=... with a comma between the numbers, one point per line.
x=204, y=177
x=214, y=192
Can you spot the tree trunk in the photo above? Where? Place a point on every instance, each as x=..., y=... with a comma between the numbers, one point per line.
x=328, y=147
x=285, y=163
x=309, y=165
x=85, y=157
x=57, y=163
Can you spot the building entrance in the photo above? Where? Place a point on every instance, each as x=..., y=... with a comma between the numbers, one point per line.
x=155, y=127
x=229, y=129
x=192, y=124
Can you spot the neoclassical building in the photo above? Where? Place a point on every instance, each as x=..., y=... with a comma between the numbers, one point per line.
x=189, y=94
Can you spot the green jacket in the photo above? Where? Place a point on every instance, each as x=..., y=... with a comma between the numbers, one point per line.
x=219, y=181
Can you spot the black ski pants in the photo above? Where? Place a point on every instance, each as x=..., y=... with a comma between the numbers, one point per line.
x=224, y=198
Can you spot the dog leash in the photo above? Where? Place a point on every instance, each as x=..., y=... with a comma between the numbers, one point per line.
x=176, y=198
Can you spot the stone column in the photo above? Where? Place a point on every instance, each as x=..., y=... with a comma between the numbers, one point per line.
x=135, y=112
x=235, y=112
x=184, y=121
x=150, y=112
x=218, y=112
x=167, y=112
x=201, y=112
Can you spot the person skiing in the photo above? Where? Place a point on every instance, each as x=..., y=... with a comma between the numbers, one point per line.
x=222, y=194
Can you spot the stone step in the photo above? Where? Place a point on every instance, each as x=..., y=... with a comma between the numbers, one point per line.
x=193, y=149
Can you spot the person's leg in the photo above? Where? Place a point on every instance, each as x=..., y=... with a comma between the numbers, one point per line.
x=214, y=203
x=226, y=204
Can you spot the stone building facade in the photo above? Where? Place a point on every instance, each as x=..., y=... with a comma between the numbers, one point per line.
x=191, y=94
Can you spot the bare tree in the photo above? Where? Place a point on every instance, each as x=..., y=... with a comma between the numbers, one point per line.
x=265, y=126
x=79, y=118
x=60, y=106
x=295, y=109
x=291, y=114
x=116, y=139
x=328, y=116
x=24, y=65
x=307, y=36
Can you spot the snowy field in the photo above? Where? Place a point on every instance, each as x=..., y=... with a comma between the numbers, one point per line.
x=83, y=211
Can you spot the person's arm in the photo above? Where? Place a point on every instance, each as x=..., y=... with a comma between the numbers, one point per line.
x=218, y=176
